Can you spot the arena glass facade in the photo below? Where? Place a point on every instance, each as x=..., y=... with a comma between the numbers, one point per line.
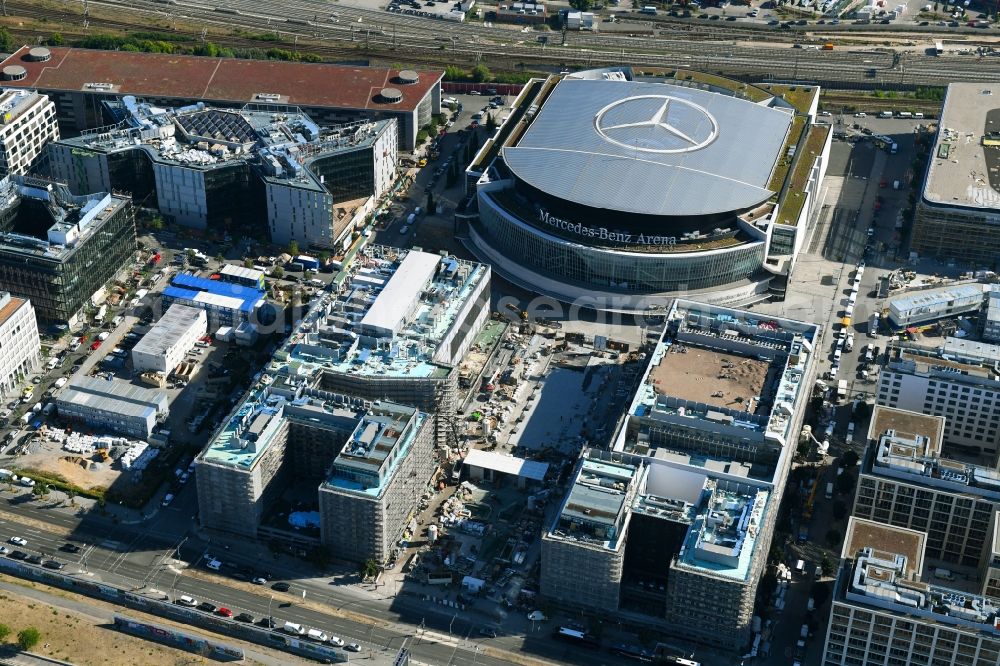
x=625, y=272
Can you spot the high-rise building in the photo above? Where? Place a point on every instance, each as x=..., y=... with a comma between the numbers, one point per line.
x=27, y=124
x=20, y=346
x=673, y=525
x=883, y=613
x=957, y=382
x=59, y=250
x=905, y=481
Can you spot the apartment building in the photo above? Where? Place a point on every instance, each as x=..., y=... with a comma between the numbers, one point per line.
x=956, y=382
x=113, y=406
x=906, y=482
x=672, y=526
x=27, y=125
x=20, y=346
x=883, y=613
x=59, y=250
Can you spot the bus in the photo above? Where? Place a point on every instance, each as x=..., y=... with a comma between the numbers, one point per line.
x=576, y=636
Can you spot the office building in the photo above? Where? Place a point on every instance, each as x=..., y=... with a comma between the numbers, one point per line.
x=957, y=382
x=261, y=169
x=712, y=195
x=930, y=305
x=989, y=568
x=883, y=613
x=225, y=303
x=59, y=250
x=958, y=213
x=163, y=347
x=330, y=94
x=905, y=481
x=673, y=525
x=353, y=404
x=112, y=405
x=20, y=346
x=27, y=124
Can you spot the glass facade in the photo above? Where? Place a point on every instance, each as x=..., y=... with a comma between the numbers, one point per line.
x=60, y=284
x=617, y=271
x=348, y=174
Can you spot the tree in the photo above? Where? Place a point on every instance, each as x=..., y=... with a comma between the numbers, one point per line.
x=454, y=73
x=839, y=510
x=369, y=569
x=277, y=272
x=56, y=39
x=4, y=632
x=491, y=123
x=480, y=73
x=833, y=538
x=247, y=263
x=71, y=496
x=844, y=483
x=820, y=592
x=827, y=565
x=156, y=224
x=430, y=203
x=40, y=490
x=6, y=41
x=850, y=458
x=581, y=5
x=293, y=248
x=28, y=638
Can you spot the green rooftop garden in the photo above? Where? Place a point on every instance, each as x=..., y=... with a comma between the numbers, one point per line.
x=791, y=206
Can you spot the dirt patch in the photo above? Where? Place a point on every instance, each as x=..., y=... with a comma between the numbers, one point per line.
x=71, y=468
x=709, y=377
x=79, y=638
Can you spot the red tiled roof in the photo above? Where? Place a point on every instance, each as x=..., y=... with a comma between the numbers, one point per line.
x=222, y=79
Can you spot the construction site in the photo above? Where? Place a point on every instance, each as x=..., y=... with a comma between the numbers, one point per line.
x=712, y=377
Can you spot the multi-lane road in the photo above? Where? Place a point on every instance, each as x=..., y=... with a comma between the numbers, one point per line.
x=740, y=51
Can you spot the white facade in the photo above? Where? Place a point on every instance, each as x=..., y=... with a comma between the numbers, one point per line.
x=29, y=123
x=164, y=346
x=180, y=194
x=20, y=347
x=970, y=401
x=305, y=211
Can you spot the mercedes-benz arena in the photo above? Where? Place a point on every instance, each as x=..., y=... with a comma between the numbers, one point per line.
x=627, y=193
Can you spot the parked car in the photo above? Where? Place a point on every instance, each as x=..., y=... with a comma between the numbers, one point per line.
x=207, y=607
x=244, y=617
x=185, y=600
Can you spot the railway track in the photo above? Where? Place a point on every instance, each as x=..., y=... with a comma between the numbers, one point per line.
x=347, y=32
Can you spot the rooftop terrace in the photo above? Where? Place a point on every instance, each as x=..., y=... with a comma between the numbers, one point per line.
x=879, y=578
x=915, y=460
x=352, y=332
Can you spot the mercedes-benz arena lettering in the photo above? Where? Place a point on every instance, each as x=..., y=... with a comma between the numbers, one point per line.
x=620, y=193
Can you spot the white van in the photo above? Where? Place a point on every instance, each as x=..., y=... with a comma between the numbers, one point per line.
x=294, y=629
x=919, y=115
x=317, y=635
x=885, y=114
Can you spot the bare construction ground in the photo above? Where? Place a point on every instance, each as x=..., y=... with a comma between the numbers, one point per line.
x=710, y=377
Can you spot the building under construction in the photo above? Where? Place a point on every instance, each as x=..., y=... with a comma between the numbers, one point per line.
x=353, y=404
x=674, y=524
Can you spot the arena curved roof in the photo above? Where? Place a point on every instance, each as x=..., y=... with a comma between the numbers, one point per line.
x=650, y=148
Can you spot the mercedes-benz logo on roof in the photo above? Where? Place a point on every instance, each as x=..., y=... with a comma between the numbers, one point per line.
x=656, y=124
